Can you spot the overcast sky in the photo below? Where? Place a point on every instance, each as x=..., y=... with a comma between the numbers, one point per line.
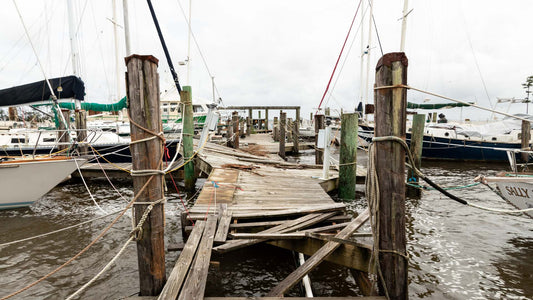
x=283, y=52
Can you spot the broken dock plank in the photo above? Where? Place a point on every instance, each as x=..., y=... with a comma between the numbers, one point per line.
x=297, y=298
x=223, y=225
x=179, y=272
x=194, y=286
x=288, y=226
x=318, y=257
x=268, y=236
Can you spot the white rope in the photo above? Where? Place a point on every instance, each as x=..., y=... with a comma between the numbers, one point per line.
x=179, y=143
x=147, y=172
x=420, y=174
x=107, y=266
x=59, y=230
x=87, y=188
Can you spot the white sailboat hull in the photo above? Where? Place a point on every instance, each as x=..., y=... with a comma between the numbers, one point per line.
x=519, y=192
x=22, y=182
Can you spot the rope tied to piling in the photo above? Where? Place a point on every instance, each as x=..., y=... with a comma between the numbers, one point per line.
x=160, y=135
x=137, y=232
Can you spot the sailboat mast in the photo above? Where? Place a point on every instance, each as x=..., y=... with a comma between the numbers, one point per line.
x=189, y=45
x=73, y=45
x=404, y=25
x=368, y=49
x=362, y=55
x=117, y=62
x=126, y=27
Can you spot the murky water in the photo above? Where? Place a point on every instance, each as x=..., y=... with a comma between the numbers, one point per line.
x=456, y=252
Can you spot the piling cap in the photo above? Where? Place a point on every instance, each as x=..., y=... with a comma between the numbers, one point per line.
x=389, y=58
x=142, y=57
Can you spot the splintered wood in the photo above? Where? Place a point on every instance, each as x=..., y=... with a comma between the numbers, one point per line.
x=285, y=207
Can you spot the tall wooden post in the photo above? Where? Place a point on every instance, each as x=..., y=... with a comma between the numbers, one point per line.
x=288, y=129
x=348, y=156
x=236, y=133
x=390, y=168
x=229, y=133
x=298, y=119
x=311, y=117
x=188, y=132
x=259, y=121
x=266, y=119
x=248, y=129
x=327, y=111
x=282, y=125
x=62, y=134
x=526, y=137
x=295, y=143
x=81, y=130
x=319, y=124
x=144, y=109
x=275, y=129
x=417, y=139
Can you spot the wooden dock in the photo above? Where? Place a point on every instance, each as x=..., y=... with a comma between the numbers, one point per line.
x=249, y=199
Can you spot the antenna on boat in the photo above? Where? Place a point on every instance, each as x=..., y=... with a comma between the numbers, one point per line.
x=163, y=44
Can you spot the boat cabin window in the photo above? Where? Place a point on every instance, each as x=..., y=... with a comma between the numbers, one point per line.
x=18, y=140
x=49, y=140
x=446, y=134
x=494, y=139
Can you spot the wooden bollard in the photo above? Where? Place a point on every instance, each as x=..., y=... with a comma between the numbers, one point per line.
x=348, y=156
x=229, y=133
x=248, y=125
x=144, y=110
x=288, y=129
x=327, y=111
x=188, y=132
x=319, y=124
x=81, y=130
x=235, y=121
x=282, y=125
x=275, y=130
x=295, y=131
x=417, y=139
x=63, y=134
x=390, y=120
x=526, y=137
x=266, y=120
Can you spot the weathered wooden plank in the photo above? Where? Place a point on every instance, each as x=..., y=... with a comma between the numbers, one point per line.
x=177, y=276
x=223, y=226
x=268, y=236
x=328, y=228
x=296, y=211
x=194, y=286
x=296, y=298
x=293, y=225
x=318, y=257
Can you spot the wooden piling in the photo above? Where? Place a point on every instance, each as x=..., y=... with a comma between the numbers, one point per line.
x=144, y=110
x=275, y=129
x=63, y=134
x=248, y=125
x=259, y=121
x=81, y=130
x=348, y=156
x=266, y=119
x=417, y=139
x=282, y=125
x=229, y=133
x=188, y=132
x=327, y=111
x=319, y=124
x=236, y=133
x=295, y=144
x=288, y=129
x=526, y=137
x=390, y=120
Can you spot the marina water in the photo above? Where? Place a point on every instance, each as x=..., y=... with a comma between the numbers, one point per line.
x=456, y=252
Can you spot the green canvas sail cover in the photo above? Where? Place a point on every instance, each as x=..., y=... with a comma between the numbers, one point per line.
x=123, y=103
x=411, y=105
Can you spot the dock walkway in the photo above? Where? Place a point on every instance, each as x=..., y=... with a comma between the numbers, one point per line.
x=247, y=193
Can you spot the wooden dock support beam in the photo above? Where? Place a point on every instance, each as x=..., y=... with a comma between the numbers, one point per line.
x=81, y=130
x=275, y=130
x=144, y=111
x=417, y=139
x=348, y=156
x=188, y=132
x=390, y=119
x=295, y=131
x=236, y=133
x=282, y=126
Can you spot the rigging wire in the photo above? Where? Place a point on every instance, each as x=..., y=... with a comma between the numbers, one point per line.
x=377, y=33
x=344, y=62
x=340, y=54
x=198, y=47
